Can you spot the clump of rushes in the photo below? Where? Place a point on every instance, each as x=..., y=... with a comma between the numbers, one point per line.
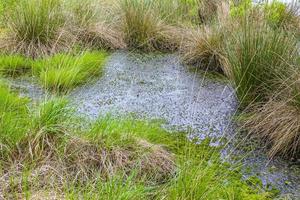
x=259, y=58
x=278, y=124
x=35, y=27
x=92, y=30
x=277, y=121
x=203, y=48
x=63, y=72
x=14, y=65
x=144, y=29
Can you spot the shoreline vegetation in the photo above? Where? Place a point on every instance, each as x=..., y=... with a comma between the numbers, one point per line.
x=48, y=151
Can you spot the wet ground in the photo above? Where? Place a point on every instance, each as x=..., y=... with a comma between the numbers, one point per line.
x=159, y=87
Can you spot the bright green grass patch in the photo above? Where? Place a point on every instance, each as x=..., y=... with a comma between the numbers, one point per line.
x=14, y=117
x=63, y=72
x=14, y=65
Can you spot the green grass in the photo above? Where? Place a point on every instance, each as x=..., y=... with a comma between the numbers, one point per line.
x=14, y=117
x=63, y=72
x=14, y=65
x=260, y=59
x=144, y=29
x=111, y=158
x=34, y=26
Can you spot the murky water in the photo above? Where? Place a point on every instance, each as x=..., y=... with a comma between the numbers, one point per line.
x=159, y=87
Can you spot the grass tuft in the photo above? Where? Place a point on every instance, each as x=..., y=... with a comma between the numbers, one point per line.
x=204, y=48
x=144, y=29
x=35, y=27
x=259, y=59
x=91, y=28
x=277, y=123
x=63, y=72
x=14, y=65
x=113, y=158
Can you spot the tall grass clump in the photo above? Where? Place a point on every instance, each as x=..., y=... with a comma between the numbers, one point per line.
x=62, y=72
x=263, y=67
x=277, y=121
x=262, y=63
x=203, y=48
x=48, y=130
x=277, y=124
x=13, y=65
x=94, y=26
x=259, y=58
x=35, y=27
x=144, y=29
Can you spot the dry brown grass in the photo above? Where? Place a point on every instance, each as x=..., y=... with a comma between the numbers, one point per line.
x=278, y=124
x=277, y=121
x=101, y=36
x=210, y=10
x=80, y=161
x=203, y=48
x=144, y=29
x=63, y=42
x=95, y=25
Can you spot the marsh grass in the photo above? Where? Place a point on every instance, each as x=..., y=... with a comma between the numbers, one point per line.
x=93, y=27
x=262, y=60
x=14, y=65
x=111, y=158
x=49, y=151
x=14, y=119
x=35, y=27
x=259, y=59
x=63, y=72
x=144, y=29
x=204, y=48
x=277, y=124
